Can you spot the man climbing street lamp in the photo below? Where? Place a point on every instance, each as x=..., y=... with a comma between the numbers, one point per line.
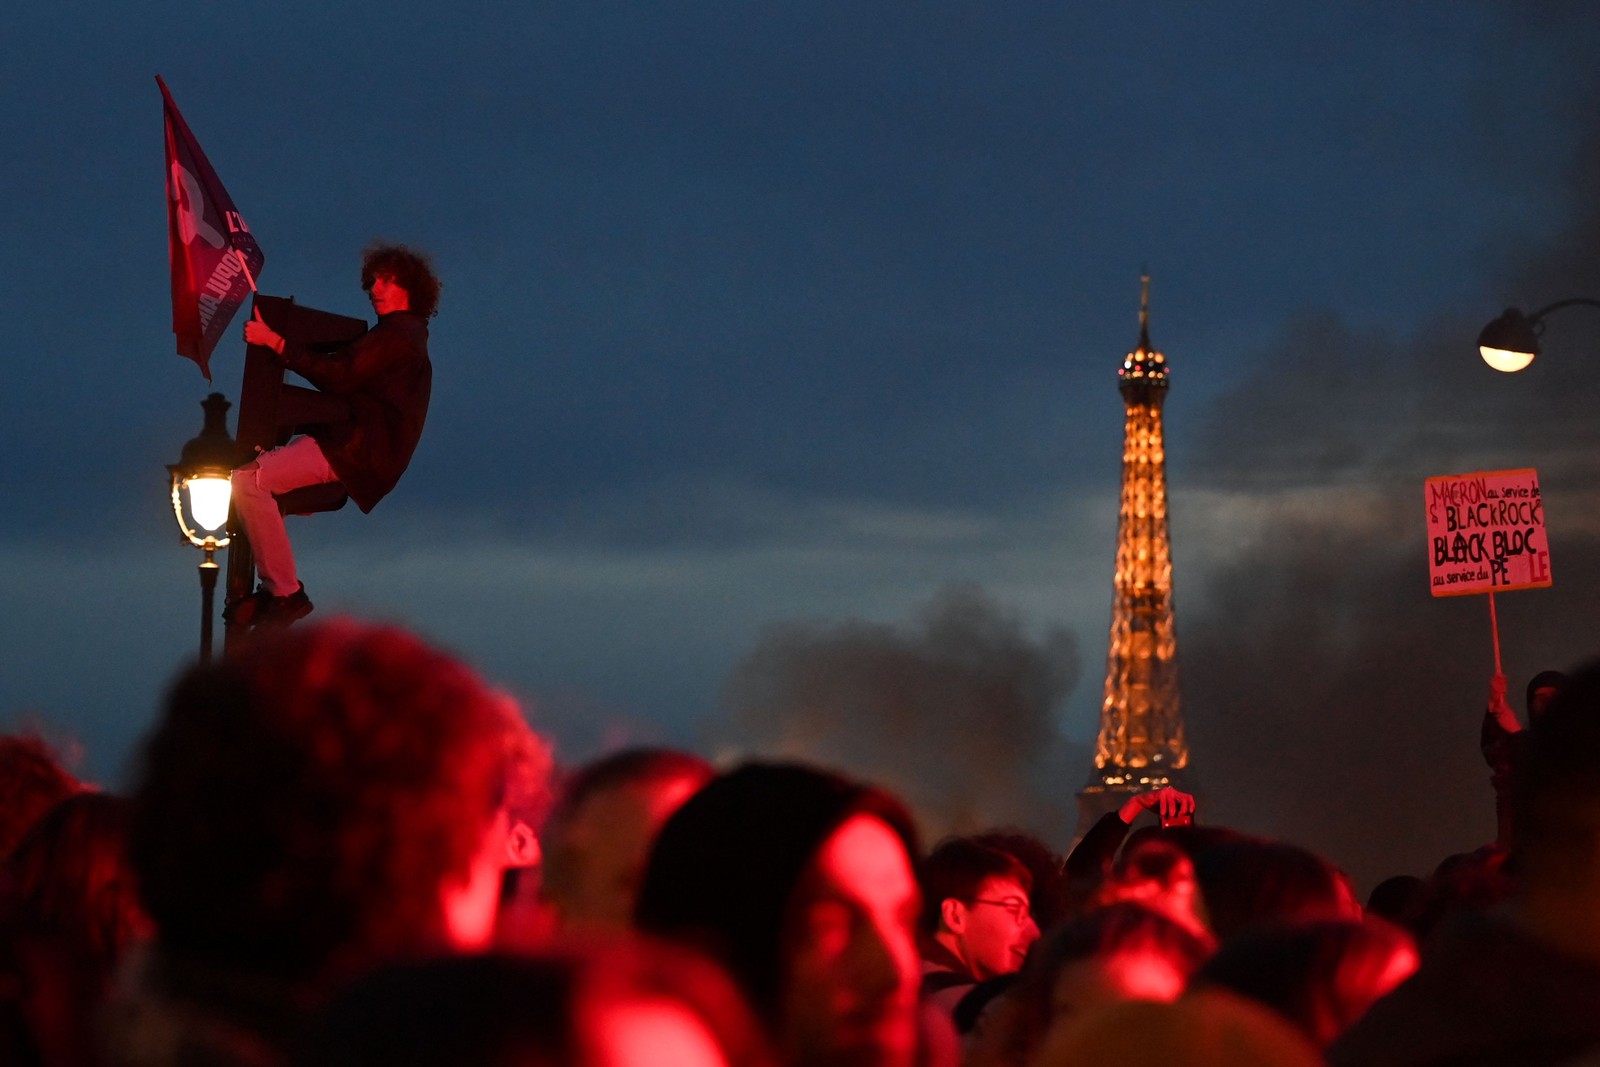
x=372, y=400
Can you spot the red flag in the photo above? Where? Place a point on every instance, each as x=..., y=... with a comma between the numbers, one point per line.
x=214, y=258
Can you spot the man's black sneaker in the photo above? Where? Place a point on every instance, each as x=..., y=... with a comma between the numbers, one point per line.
x=280, y=612
x=245, y=610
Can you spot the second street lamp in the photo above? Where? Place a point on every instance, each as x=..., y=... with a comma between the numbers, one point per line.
x=204, y=472
x=1511, y=342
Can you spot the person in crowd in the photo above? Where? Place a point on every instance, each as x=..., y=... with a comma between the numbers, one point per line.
x=971, y=1013
x=1503, y=742
x=800, y=882
x=1158, y=874
x=70, y=877
x=323, y=801
x=1120, y=952
x=1048, y=898
x=976, y=922
x=599, y=837
x=1247, y=881
x=521, y=919
x=1401, y=899
x=372, y=402
x=32, y=781
x=1208, y=1028
x=1322, y=976
x=627, y=1004
x=1091, y=858
x=1479, y=880
x=69, y=914
x=1518, y=984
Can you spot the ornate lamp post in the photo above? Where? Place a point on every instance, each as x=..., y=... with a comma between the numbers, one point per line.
x=203, y=470
x=1511, y=342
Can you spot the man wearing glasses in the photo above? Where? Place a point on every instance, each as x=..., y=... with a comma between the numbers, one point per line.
x=976, y=921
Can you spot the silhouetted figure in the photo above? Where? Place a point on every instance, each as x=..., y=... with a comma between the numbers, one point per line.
x=1248, y=881
x=1400, y=899
x=599, y=836
x=1503, y=740
x=1321, y=976
x=631, y=1004
x=1519, y=984
x=1207, y=1028
x=1103, y=957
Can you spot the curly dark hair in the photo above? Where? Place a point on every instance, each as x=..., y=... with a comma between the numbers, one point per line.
x=32, y=781
x=303, y=800
x=407, y=266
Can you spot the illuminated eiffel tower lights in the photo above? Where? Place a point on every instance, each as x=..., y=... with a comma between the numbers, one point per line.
x=1141, y=744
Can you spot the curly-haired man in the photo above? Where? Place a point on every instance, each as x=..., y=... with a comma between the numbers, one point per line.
x=380, y=383
x=322, y=802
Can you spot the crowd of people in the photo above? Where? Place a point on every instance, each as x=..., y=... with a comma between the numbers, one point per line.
x=343, y=847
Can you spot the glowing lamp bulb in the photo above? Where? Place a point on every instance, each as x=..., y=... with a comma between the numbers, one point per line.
x=208, y=500
x=1505, y=360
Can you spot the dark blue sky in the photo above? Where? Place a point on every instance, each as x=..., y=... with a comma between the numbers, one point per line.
x=757, y=314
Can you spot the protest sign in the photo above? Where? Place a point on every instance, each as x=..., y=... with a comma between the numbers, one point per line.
x=1486, y=533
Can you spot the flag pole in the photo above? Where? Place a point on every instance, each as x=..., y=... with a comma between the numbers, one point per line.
x=1494, y=629
x=244, y=266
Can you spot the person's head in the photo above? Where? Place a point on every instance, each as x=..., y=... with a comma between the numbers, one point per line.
x=1108, y=955
x=403, y=267
x=627, y=1004
x=1119, y=952
x=1159, y=875
x=599, y=837
x=1321, y=976
x=800, y=882
x=325, y=799
x=1208, y=1028
x=1248, y=881
x=1476, y=881
x=32, y=781
x=1542, y=689
x=624, y=1003
x=1556, y=809
x=70, y=878
x=975, y=903
x=1048, y=894
x=1400, y=899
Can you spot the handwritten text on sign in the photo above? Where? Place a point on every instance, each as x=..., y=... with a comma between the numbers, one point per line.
x=1486, y=532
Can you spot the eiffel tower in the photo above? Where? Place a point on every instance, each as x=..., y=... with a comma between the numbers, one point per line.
x=1141, y=745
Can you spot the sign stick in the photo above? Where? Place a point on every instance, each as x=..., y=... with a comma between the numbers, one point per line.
x=1494, y=629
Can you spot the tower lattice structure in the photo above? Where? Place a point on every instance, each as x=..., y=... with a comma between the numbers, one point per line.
x=1141, y=742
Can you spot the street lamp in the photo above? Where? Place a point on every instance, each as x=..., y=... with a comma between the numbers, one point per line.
x=204, y=470
x=1510, y=342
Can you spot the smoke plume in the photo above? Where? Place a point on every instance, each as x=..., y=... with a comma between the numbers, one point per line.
x=952, y=710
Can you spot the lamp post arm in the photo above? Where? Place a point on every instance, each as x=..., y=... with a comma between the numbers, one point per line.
x=1559, y=304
